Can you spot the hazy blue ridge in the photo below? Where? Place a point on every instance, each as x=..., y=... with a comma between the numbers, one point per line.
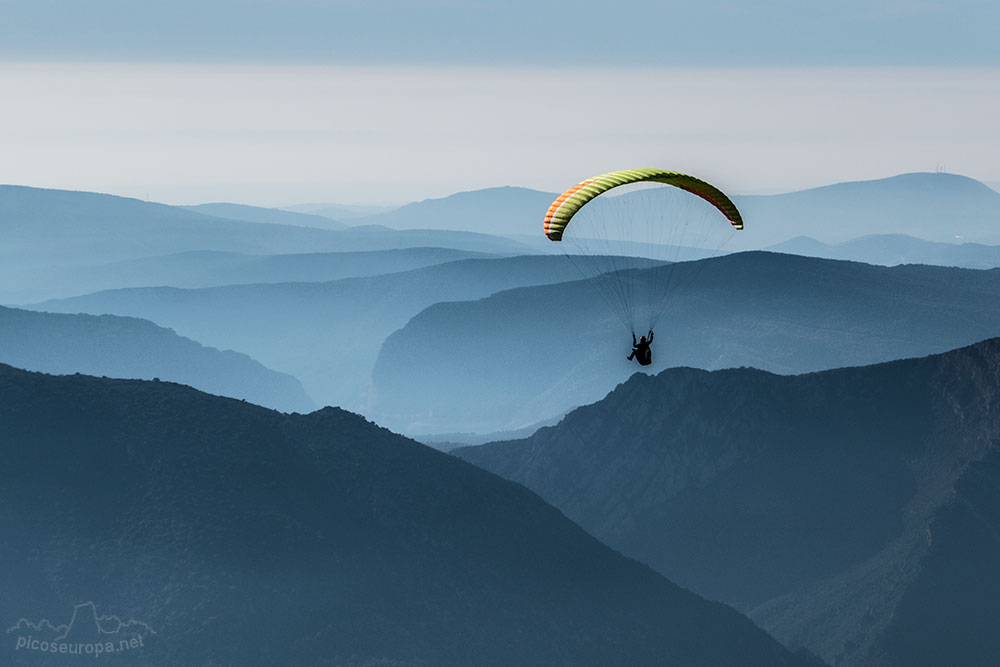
x=215, y=269
x=49, y=239
x=326, y=334
x=80, y=227
x=931, y=206
x=504, y=211
x=852, y=511
x=269, y=215
x=126, y=347
x=338, y=211
x=47, y=235
x=525, y=355
x=895, y=249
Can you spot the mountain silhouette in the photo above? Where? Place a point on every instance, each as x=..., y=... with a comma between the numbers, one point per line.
x=526, y=355
x=246, y=536
x=59, y=235
x=215, y=269
x=506, y=211
x=275, y=216
x=341, y=212
x=326, y=334
x=70, y=226
x=929, y=206
x=852, y=511
x=127, y=347
x=41, y=229
x=894, y=249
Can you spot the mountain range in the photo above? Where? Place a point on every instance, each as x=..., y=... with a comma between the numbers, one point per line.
x=937, y=207
x=327, y=334
x=522, y=356
x=849, y=510
x=508, y=211
x=242, y=536
x=340, y=212
x=67, y=227
x=47, y=236
x=126, y=347
x=853, y=511
x=215, y=269
x=275, y=216
x=895, y=249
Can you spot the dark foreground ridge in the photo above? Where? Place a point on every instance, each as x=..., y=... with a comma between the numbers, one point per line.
x=853, y=511
x=219, y=532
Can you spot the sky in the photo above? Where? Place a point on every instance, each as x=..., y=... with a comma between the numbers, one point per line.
x=387, y=101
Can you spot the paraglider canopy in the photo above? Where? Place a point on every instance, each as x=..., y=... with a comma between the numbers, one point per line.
x=568, y=203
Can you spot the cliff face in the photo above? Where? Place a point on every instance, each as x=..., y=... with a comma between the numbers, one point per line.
x=830, y=506
x=201, y=530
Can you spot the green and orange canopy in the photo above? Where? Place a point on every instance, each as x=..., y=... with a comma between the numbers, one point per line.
x=568, y=203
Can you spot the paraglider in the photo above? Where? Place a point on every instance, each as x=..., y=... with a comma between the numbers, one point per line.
x=610, y=235
x=641, y=351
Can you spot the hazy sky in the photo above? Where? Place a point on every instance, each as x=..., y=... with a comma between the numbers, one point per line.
x=386, y=101
x=508, y=32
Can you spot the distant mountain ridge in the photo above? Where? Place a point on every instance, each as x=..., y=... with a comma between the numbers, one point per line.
x=521, y=356
x=854, y=511
x=504, y=210
x=216, y=269
x=267, y=215
x=53, y=223
x=936, y=207
x=341, y=212
x=70, y=230
x=895, y=249
x=248, y=537
x=327, y=334
x=932, y=206
x=126, y=347
x=40, y=228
